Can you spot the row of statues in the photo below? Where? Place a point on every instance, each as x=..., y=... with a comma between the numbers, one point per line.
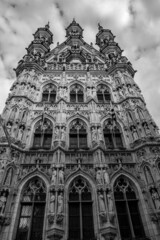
x=59, y=203
x=57, y=176
x=102, y=177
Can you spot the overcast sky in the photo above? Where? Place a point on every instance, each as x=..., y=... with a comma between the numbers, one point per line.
x=135, y=23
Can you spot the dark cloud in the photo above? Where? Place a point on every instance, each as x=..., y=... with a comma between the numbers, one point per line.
x=60, y=10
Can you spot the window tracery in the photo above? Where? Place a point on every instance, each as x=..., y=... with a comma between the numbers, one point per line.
x=43, y=134
x=112, y=135
x=126, y=202
x=76, y=93
x=31, y=218
x=49, y=93
x=78, y=135
x=80, y=211
x=103, y=93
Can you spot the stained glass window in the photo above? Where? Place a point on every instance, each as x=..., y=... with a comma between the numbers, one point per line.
x=32, y=211
x=129, y=218
x=78, y=135
x=80, y=211
x=43, y=134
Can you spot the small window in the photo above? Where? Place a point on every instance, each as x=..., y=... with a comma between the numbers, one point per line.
x=78, y=135
x=49, y=93
x=43, y=134
x=112, y=135
x=103, y=94
x=76, y=94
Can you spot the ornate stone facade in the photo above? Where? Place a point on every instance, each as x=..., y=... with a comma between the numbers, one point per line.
x=79, y=151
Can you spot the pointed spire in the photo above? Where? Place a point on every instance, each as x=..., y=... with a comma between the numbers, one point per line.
x=47, y=25
x=100, y=27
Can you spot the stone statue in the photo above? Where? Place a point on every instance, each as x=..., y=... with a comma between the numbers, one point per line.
x=100, y=135
x=57, y=133
x=60, y=203
x=54, y=174
x=3, y=201
x=101, y=202
x=110, y=202
x=52, y=203
x=63, y=134
x=106, y=177
x=94, y=134
x=156, y=198
x=61, y=176
x=99, y=177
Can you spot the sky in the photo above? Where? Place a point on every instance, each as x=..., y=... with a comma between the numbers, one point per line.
x=135, y=23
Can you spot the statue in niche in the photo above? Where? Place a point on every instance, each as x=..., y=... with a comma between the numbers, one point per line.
x=20, y=133
x=8, y=178
x=57, y=133
x=110, y=202
x=63, y=134
x=94, y=134
x=100, y=135
x=134, y=133
x=1, y=173
x=106, y=177
x=99, y=177
x=52, y=203
x=146, y=129
x=156, y=198
x=54, y=175
x=9, y=127
x=101, y=202
x=3, y=200
x=60, y=203
x=61, y=176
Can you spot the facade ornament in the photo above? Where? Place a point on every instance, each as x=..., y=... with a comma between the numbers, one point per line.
x=52, y=203
x=54, y=176
x=60, y=203
x=102, y=207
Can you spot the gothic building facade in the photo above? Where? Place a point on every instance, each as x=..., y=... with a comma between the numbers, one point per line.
x=79, y=151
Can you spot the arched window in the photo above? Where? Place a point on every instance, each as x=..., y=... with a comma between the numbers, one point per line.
x=32, y=210
x=80, y=211
x=43, y=134
x=129, y=218
x=103, y=93
x=49, y=93
x=78, y=135
x=76, y=93
x=148, y=175
x=112, y=135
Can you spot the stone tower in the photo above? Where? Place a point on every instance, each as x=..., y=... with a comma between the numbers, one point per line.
x=79, y=151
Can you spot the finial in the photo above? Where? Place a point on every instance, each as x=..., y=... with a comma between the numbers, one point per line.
x=74, y=21
x=47, y=25
x=100, y=27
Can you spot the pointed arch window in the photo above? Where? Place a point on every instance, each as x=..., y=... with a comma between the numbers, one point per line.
x=80, y=211
x=103, y=94
x=78, y=135
x=49, y=93
x=76, y=93
x=112, y=135
x=32, y=211
x=43, y=134
x=129, y=219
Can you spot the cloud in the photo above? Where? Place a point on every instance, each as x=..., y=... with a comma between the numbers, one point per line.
x=134, y=23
